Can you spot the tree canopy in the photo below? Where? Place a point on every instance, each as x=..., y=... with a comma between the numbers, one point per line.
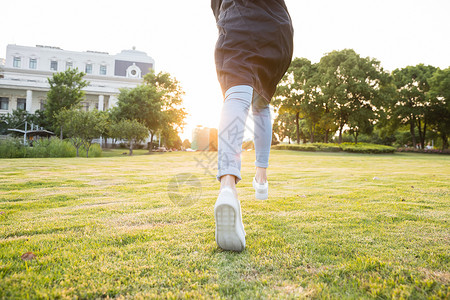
x=157, y=104
x=65, y=93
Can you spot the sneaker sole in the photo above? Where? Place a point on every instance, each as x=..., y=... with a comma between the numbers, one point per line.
x=261, y=196
x=227, y=236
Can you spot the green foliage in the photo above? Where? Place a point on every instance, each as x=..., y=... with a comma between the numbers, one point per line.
x=82, y=127
x=354, y=88
x=54, y=147
x=366, y=148
x=412, y=105
x=95, y=150
x=157, y=104
x=65, y=93
x=12, y=148
x=132, y=131
x=439, y=113
x=343, y=89
x=346, y=147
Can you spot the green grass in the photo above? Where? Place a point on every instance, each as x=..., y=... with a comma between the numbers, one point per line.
x=336, y=225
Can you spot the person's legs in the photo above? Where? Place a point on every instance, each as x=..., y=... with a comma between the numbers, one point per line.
x=262, y=136
x=231, y=133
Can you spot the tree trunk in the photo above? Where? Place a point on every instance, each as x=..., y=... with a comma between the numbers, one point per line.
x=313, y=127
x=325, y=140
x=298, y=127
x=356, y=137
x=424, y=132
x=340, y=133
x=411, y=130
x=421, y=138
x=78, y=155
x=87, y=150
x=61, y=133
x=150, y=148
x=444, y=141
x=131, y=149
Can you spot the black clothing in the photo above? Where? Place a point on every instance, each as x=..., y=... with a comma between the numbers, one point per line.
x=255, y=43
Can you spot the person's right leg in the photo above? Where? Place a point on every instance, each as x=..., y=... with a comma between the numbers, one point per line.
x=230, y=234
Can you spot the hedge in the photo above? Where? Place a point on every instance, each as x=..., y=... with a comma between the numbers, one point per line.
x=54, y=147
x=346, y=147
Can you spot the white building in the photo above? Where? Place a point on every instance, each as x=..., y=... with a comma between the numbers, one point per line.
x=24, y=73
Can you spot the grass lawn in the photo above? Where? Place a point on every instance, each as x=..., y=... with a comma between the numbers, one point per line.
x=336, y=225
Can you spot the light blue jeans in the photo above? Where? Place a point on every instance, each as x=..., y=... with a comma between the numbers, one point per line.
x=232, y=127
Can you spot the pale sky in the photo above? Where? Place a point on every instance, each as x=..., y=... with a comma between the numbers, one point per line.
x=181, y=34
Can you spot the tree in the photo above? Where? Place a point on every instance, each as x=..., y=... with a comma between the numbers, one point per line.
x=157, y=104
x=172, y=110
x=65, y=93
x=130, y=130
x=411, y=105
x=354, y=89
x=171, y=138
x=439, y=112
x=297, y=94
x=82, y=127
x=186, y=144
x=284, y=126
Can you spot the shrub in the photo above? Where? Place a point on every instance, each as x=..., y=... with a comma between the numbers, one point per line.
x=416, y=150
x=347, y=147
x=327, y=147
x=94, y=151
x=295, y=147
x=11, y=148
x=366, y=148
x=54, y=147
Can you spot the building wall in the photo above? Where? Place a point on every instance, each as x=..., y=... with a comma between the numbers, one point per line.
x=30, y=81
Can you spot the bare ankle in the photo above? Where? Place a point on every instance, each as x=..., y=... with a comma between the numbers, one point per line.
x=228, y=181
x=261, y=175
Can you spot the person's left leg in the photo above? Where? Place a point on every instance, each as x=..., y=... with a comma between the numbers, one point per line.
x=263, y=140
x=262, y=135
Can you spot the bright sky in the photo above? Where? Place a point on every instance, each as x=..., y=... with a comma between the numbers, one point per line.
x=180, y=35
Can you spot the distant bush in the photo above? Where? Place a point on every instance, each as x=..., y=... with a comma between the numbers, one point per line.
x=366, y=148
x=54, y=147
x=11, y=148
x=347, y=147
x=415, y=150
x=295, y=147
x=94, y=151
x=327, y=147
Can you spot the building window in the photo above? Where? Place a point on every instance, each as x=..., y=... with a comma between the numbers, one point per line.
x=22, y=103
x=33, y=63
x=4, y=103
x=88, y=68
x=54, y=65
x=69, y=65
x=102, y=69
x=16, y=62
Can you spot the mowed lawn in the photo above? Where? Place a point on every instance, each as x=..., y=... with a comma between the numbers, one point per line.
x=336, y=226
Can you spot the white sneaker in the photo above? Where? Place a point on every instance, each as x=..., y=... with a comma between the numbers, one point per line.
x=230, y=234
x=261, y=190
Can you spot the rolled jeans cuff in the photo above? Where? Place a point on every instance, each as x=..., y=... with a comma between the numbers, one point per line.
x=261, y=165
x=229, y=171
